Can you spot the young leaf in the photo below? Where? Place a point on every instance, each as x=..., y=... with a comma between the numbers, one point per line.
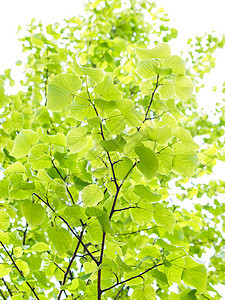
x=185, y=160
x=76, y=139
x=23, y=143
x=60, y=238
x=108, y=90
x=61, y=91
x=162, y=51
x=164, y=217
x=183, y=87
x=33, y=212
x=91, y=195
x=149, y=163
x=4, y=220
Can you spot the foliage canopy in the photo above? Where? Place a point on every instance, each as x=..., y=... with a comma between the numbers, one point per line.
x=97, y=153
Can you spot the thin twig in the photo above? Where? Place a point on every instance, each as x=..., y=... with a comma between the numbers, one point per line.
x=25, y=234
x=69, y=227
x=117, y=295
x=20, y=272
x=133, y=277
x=150, y=103
x=71, y=261
x=6, y=285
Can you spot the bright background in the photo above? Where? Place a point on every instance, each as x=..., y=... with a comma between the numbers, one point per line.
x=190, y=18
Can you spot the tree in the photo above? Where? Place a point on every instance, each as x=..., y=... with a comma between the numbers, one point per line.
x=97, y=152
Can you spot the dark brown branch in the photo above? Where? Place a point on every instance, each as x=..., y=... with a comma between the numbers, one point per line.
x=3, y=297
x=61, y=269
x=20, y=272
x=7, y=287
x=25, y=234
x=150, y=103
x=71, y=261
x=69, y=227
x=133, y=277
x=125, y=208
x=117, y=295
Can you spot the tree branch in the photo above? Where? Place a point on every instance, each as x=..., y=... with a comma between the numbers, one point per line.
x=125, y=208
x=20, y=272
x=69, y=227
x=3, y=297
x=124, y=281
x=117, y=295
x=71, y=261
x=67, y=188
x=150, y=103
x=6, y=285
x=25, y=234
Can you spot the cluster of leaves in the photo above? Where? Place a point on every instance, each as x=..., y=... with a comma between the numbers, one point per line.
x=89, y=151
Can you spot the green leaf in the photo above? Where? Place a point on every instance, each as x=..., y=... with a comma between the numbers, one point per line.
x=164, y=217
x=195, y=275
x=81, y=108
x=95, y=74
x=183, y=87
x=146, y=69
x=76, y=139
x=149, y=163
x=102, y=217
x=173, y=109
x=127, y=109
x=33, y=212
x=40, y=247
x=91, y=195
x=4, y=270
x=60, y=238
x=165, y=157
x=72, y=213
x=150, y=251
x=185, y=160
x=61, y=91
x=115, y=122
x=186, y=138
x=3, y=99
x=142, y=216
x=147, y=294
x=160, y=134
x=4, y=220
x=108, y=90
x=24, y=142
x=23, y=266
x=122, y=264
x=175, y=268
x=123, y=167
x=17, y=167
x=176, y=64
x=162, y=51
x=116, y=144
x=167, y=89
x=188, y=295
x=146, y=194
x=146, y=87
